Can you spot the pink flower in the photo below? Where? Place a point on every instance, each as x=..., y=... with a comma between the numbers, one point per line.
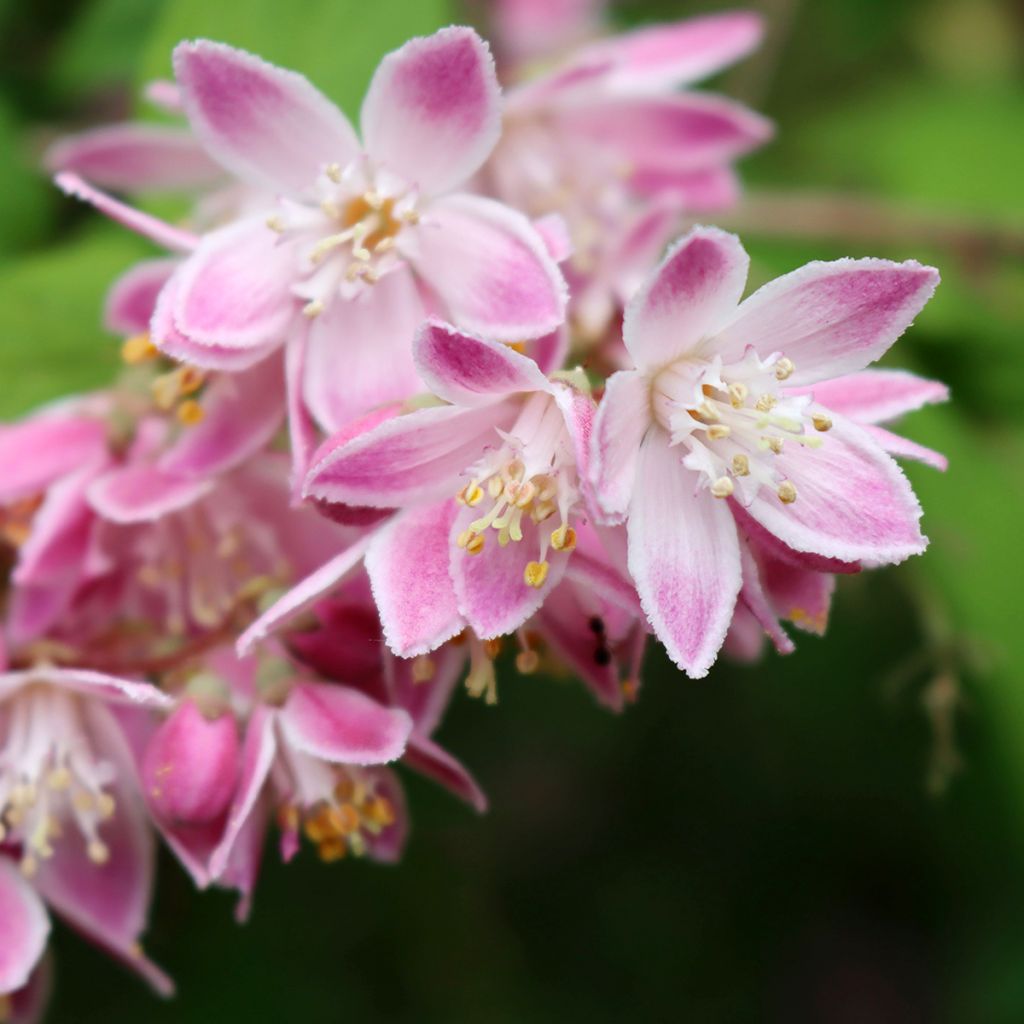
x=71, y=812
x=527, y=30
x=491, y=484
x=605, y=141
x=717, y=420
x=364, y=242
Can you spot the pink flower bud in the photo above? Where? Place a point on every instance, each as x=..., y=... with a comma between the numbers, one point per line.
x=190, y=768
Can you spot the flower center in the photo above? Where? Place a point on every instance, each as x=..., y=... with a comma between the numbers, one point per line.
x=531, y=477
x=50, y=775
x=339, y=809
x=346, y=238
x=735, y=420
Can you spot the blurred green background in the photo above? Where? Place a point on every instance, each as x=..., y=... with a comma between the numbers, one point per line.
x=837, y=836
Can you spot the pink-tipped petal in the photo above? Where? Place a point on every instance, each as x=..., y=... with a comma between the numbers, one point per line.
x=426, y=757
x=342, y=725
x=407, y=562
x=662, y=56
x=109, y=902
x=302, y=432
x=554, y=232
x=877, y=396
x=904, y=448
x=38, y=451
x=772, y=547
x=258, y=752
x=693, y=290
x=269, y=126
x=492, y=592
x=359, y=352
x=413, y=459
x=754, y=597
x=143, y=493
x=242, y=413
x=675, y=134
x=144, y=224
x=234, y=290
x=433, y=110
x=24, y=928
x=490, y=268
x=132, y=297
x=683, y=556
x=622, y=421
x=97, y=685
x=852, y=501
x=165, y=335
x=799, y=595
x=830, y=319
x=470, y=371
x=136, y=157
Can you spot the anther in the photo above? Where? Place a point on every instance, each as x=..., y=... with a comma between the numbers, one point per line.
x=333, y=171
x=527, y=662
x=98, y=852
x=765, y=403
x=821, y=421
x=535, y=574
x=718, y=431
x=773, y=444
x=313, y=308
x=563, y=538
x=784, y=368
x=787, y=492
x=190, y=412
x=276, y=224
x=722, y=487
x=138, y=349
x=741, y=465
x=423, y=669
x=738, y=394
x=472, y=494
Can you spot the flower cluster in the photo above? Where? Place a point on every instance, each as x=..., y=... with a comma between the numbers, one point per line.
x=395, y=401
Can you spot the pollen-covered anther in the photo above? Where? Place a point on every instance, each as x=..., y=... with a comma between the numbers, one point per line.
x=772, y=444
x=722, y=487
x=98, y=852
x=787, y=492
x=741, y=465
x=189, y=413
x=470, y=541
x=563, y=538
x=168, y=388
x=765, y=402
x=423, y=669
x=472, y=494
x=527, y=662
x=535, y=574
x=738, y=394
x=719, y=431
x=821, y=422
x=139, y=348
x=784, y=368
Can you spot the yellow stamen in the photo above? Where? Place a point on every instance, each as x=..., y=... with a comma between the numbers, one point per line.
x=527, y=662
x=741, y=465
x=535, y=574
x=138, y=349
x=821, y=421
x=564, y=538
x=190, y=412
x=784, y=368
x=722, y=487
x=718, y=431
x=423, y=669
x=787, y=492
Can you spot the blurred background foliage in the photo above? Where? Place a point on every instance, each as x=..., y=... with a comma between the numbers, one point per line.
x=837, y=836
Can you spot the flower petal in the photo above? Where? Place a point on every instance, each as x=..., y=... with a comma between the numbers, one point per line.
x=304, y=594
x=342, y=725
x=799, y=595
x=876, y=396
x=691, y=293
x=234, y=290
x=492, y=593
x=426, y=757
x=407, y=562
x=269, y=126
x=24, y=928
x=829, y=318
x=359, y=351
x=683, y=556
x=109, y=902
x=433, y=110
x=136, y=157
x=623, y=419
x=143, y=493
x=755, y=599
x=38, y=451
x=490, y=267
x=132, y=297
x=657, y=58
x=678, y=134
x=904, y=448
x=242, y=413
x=853, y=503
x=156, y=230
x=413, y=459
x=470, y=371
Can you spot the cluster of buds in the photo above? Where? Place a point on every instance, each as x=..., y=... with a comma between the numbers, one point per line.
x=393, y=402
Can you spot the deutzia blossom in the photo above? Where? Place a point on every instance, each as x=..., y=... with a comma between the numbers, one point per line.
x=720, y=412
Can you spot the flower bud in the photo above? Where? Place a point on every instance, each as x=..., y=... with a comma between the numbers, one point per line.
x=190, y=768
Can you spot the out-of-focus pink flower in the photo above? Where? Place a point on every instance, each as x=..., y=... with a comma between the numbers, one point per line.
x=533, y=30
x=364, y=242
x=606, y=141
x=717, y=420
x=71, y=813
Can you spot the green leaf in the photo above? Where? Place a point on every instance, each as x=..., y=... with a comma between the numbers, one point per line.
x=53, y=340
x=335, y=43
